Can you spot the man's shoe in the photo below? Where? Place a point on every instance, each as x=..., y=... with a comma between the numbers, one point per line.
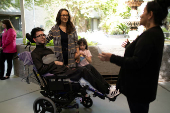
x=113, y=92
x=3, y=78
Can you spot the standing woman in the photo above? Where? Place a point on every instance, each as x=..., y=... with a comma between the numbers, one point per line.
x=139, y=73
x=8, y=48
x=65, y=39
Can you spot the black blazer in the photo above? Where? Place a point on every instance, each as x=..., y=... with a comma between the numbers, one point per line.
x=0, y=39
x=138, y=76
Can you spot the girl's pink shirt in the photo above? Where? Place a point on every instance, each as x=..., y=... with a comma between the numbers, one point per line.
x=84, y=61
x=9, y=41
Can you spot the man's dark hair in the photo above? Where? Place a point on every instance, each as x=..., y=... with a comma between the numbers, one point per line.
x=159, y=9
x=34, y=30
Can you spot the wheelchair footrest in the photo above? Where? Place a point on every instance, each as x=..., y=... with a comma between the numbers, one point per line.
x=73, y=106
x=97, y=93
x=100, y=96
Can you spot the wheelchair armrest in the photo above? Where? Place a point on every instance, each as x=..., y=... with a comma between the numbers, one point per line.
x=59, y=76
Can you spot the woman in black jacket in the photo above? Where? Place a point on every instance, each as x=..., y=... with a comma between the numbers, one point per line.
x=138, y=76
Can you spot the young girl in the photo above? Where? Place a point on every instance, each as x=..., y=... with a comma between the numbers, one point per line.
x=84, y=53
x=85, y=58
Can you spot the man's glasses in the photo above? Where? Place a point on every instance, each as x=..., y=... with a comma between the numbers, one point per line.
x=64, y=15
x=41, y=35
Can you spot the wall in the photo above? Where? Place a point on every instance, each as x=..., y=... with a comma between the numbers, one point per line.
x=105, y=68
x=165, y=66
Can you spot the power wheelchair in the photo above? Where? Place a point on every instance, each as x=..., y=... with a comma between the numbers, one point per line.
x=57, y=92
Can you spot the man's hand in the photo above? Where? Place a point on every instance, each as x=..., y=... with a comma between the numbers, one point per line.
x=1, y=48
x=105, y=56
x=58, y=63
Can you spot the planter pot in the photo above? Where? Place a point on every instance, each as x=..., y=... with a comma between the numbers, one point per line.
x=119, y=36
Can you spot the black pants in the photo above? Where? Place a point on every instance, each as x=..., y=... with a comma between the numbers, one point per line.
x=90, y=74
x=8, y=57
x=136, y=107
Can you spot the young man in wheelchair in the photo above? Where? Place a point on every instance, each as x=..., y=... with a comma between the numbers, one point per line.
x=46, y=62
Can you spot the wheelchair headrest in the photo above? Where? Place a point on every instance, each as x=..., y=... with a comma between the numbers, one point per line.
x=28, y=36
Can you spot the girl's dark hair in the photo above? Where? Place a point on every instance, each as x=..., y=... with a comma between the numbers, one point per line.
x=69, y=24
x=159, y=9
x=83, y=40
x=8, y=24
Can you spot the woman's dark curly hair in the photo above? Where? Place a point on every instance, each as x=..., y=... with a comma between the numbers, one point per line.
x=69, y=26
x=159, y=9
x=82, y=40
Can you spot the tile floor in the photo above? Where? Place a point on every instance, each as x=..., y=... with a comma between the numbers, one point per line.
x=17, y=96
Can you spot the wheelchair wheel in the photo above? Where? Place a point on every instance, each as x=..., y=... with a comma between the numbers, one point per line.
x=87, y=102
x=44, y=105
